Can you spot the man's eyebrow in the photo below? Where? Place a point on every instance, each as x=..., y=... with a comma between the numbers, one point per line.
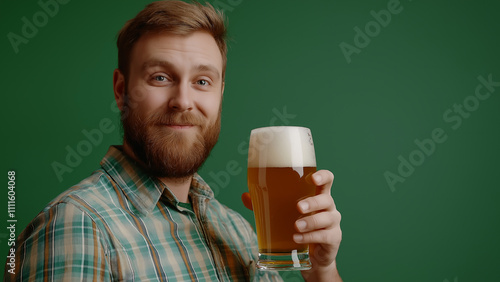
x=208, y=68
x=156, y=63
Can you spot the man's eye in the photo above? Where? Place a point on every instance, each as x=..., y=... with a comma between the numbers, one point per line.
x=160, y=78
x=202, y=82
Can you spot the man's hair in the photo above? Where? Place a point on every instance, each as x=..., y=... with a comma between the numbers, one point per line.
x=176, y=17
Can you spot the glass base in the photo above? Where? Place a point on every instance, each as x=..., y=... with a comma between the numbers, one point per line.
x=284, y=261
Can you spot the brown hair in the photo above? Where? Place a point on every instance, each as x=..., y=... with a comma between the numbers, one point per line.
x=175, y=17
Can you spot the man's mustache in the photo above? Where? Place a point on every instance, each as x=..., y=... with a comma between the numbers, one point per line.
x=176, y=118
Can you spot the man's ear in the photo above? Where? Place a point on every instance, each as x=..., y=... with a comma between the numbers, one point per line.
x=119, y=88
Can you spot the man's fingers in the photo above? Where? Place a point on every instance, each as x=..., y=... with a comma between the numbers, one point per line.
x=247, y=200
x=316, y=203
x=323, y=178
x=329, y=237
x=323, y=220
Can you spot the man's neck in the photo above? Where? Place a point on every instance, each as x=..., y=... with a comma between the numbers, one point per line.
x=178, y=186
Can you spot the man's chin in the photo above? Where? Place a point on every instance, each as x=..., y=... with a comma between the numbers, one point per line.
x=181, y=169
x=175, y=176
x=178, y=128
x=174, y=152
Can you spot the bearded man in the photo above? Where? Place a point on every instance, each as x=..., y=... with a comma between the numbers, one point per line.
x=145, y=214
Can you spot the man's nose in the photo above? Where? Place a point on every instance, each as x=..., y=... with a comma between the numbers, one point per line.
x=181, y=99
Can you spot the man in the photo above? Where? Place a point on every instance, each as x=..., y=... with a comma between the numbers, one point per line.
x=146, y=215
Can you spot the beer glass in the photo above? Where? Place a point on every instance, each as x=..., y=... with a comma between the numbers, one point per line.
x=281, y=160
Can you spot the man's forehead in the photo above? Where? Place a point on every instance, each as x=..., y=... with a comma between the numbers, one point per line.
x=157, y=48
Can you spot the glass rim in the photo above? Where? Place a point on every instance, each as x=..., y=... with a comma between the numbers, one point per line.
x=281, y=126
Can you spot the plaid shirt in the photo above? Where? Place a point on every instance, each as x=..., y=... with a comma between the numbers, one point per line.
x=120, y=224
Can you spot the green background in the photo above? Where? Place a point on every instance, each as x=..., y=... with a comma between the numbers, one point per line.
x=442, y=223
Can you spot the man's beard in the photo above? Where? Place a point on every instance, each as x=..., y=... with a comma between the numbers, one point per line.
x=164, y=152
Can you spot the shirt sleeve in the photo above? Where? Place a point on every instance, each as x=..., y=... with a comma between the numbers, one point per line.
x=61, y=244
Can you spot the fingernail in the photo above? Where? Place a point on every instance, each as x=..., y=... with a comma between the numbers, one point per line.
x=298, y=237
x=304, y=206
x=301, y=225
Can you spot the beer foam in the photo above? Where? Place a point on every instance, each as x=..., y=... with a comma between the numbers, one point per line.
x=281, y=146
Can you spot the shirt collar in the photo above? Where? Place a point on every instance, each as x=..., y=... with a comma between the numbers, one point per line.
x=142, y=190
x=200, y=188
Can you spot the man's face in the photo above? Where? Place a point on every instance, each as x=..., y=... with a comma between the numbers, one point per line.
x=172, y=102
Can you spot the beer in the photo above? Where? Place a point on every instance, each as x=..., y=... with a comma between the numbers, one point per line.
x=280, y=163
x=274, y=200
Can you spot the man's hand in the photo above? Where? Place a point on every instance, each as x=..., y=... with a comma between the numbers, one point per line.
x=320, y=228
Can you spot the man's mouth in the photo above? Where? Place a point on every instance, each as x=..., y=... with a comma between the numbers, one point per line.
x=179, y=126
